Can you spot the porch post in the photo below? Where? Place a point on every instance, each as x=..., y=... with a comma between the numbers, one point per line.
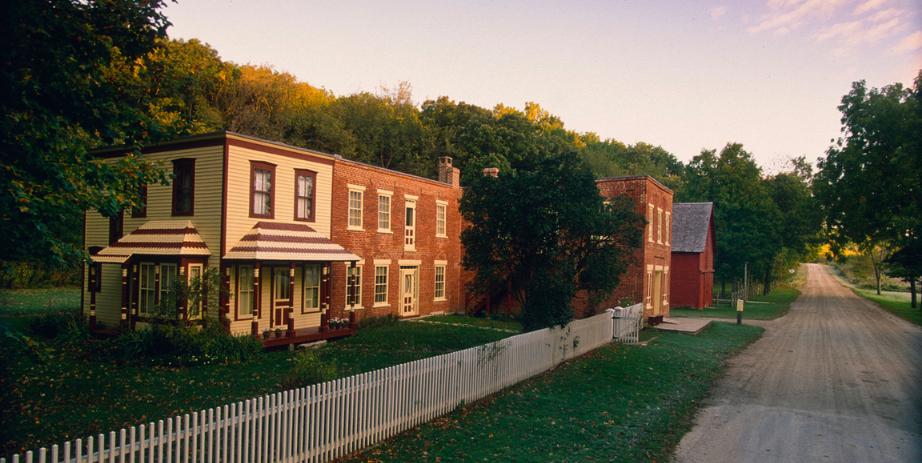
x=325, y=290
x=91, y=281
x=224, y=296
x=257, y=302
x=182, y=300
x=134, y=300
x=291, y=299
x=123, y=319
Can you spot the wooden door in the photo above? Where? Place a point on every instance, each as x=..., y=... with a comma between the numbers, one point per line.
x=657, y=292
x=409, y=291
x=281, y=295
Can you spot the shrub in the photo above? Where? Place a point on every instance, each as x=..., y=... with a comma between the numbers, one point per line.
x=180, y=346
x=61, y=326
x=371, y=322
x=17, y=275
x=309, y=368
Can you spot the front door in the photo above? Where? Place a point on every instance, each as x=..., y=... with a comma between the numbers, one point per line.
x=409, y=291
x=657, y=292
x=281, y=295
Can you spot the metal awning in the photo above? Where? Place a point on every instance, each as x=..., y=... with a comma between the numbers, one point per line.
x=155, y=238
x=287, y=242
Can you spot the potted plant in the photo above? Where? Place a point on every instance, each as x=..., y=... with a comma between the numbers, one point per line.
x=278, y=332
x=266, y=334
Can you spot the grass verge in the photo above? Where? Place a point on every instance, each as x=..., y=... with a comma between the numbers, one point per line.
x=497, y=323
x=767, y=307
x=896, y=303
x=64, y=393
x=618, y=403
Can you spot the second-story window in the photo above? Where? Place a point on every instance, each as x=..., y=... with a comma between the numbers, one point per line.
x=441, y=213
x=141, y=209
x=659, y=225
x=304, y=195
x=409, y=230
x=262, y=181
x=384, y=212
x=668, y=227
x=650, y=222
x=116, y=228
x=355, y=208
x=184, y=187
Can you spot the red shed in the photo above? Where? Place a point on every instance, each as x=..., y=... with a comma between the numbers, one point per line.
x=692, y=254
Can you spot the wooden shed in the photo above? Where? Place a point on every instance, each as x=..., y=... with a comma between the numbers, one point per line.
x=693, y=251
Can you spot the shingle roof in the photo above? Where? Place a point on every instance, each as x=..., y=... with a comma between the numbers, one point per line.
x=156, y=238
x=287, y=241
x=690, y=223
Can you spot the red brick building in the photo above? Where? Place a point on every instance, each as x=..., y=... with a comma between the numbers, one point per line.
x=693, y=242
x=407, y=232
x=647, y=279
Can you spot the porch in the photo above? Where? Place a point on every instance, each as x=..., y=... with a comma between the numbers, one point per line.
x=306, y=335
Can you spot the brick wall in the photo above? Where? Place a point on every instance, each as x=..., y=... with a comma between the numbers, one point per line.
x=372, y=245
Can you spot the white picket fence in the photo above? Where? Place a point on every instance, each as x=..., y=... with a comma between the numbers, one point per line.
x=627, y=323
x=329, y=420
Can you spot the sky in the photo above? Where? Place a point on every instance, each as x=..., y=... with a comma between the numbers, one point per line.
x=685, y=75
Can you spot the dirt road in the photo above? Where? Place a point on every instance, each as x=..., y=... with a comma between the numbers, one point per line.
x=836, y=380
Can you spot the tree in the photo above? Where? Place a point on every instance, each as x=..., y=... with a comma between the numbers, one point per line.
x=541, y=232
x=907, y=264
x=748, y=222
x=868, y=183
x=69, y=84
x=801, y=218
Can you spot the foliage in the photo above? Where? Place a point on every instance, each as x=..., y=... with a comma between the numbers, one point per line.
x=868, y=183
x=766, y=307
x=659, y=388
x=66, y=326
x=307, y=369
x=541, y=232
x=70, y=83
x=20, y=274
x=179, y=346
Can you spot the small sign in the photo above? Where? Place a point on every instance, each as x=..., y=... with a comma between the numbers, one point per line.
x=739, y=305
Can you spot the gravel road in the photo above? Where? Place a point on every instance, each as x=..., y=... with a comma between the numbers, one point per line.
x=837, y=379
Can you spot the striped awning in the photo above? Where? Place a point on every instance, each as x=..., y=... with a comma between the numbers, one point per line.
x=288, y=242
x=156, y=238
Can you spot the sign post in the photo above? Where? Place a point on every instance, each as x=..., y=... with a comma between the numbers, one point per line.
x=739, y=311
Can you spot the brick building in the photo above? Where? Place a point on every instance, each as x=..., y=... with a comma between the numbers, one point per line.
x=407, y=231
x=647, y=279
x=693, y=254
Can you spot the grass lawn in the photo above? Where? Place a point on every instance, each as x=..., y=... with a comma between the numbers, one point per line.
x=503, y=324
x=64, y=394
x=618, y=403
x=895, y=303
x=772, y=306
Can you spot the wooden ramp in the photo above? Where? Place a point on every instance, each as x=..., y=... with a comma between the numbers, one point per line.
x=684, y=325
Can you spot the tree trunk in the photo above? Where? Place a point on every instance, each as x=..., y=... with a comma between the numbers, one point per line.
x=767, y=283
x=875, y=263
x=912, y=291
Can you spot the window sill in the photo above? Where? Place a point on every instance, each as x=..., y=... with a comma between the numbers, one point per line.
x=379, y=305
x=353, y=309
x=409, y=249
x=310, y=311
x=441, y=236
x=354, y=228
x=440, y=299
x=383, y=230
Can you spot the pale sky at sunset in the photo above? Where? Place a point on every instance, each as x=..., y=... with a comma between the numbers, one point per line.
x=684, y=75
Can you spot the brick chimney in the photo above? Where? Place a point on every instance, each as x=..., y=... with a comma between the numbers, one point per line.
x=448, y=173
x=491, y=172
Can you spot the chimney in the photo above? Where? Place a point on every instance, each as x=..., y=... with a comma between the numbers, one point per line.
x=445, y=169
x=491, y=172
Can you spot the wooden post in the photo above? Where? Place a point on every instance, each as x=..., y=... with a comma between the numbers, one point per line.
x=256, y=299
x=325, y=297
x=123, y=316
x=224, y=296
x=134, y=300
x=92, y=280
x=182, y=302
x=291, y=299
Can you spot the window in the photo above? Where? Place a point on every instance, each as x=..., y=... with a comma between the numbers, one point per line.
x=146, y=287
x=168, y=279
x=441, y=211
x=116, y=229
x=380, y=285
x=384, y=213
x=353, y=291
x=650, y=223
x=355, y=209
x=281, y=282
x=245, y=290
x=184, y=187
x=304, y=195
x=94, y=277
x=409, y=233
x=440, y=282
x=141, y=209
x=311, y=288
x=196, y=282
x=659, y=225
x=262, y=198
x=668, y=227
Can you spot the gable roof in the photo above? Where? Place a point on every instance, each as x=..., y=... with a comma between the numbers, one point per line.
x=287, y=241
x=157, y=238
x=690, y=226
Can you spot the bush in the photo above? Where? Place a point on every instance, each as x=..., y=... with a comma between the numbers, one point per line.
x=62, y=326
x=309, y=369
x=18, y=275
x=372, y=322
x=180, y=346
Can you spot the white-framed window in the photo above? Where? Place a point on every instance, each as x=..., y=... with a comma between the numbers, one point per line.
x=668, y=227
x=441, y=217
x=311, y=285
x=354, y=294
x=650, y=222
x=380, y=285
x=281, y=283
x=146, y=287
x=245, y=290
x=409, y=230
x=356, y=197
x=659, y=225
x=384, y=212
x=168, y=277
x=439, y=282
